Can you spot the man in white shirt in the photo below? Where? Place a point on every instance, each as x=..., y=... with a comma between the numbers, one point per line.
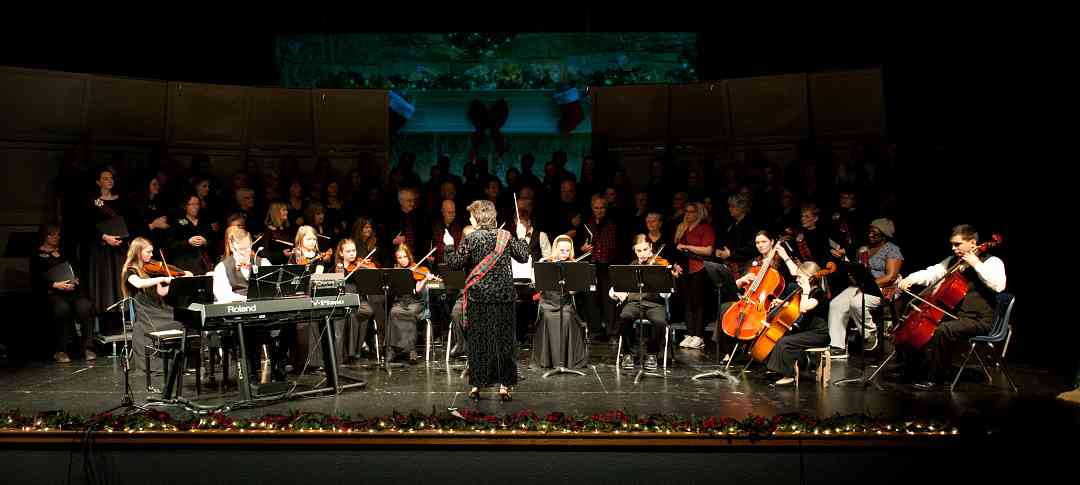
x=986, y=278
x=232, y=273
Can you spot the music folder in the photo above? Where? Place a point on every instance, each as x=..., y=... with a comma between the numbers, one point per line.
x=114, y=227
x=60, y=272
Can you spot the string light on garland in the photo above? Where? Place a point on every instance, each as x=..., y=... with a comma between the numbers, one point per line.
x=614, y=422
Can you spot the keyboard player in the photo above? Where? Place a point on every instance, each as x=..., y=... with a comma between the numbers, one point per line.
x=232, y=273
x=231, y=276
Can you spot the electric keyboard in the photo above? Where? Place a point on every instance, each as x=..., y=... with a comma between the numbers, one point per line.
x=224, y=316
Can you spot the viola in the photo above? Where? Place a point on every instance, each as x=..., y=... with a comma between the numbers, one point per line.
x=745, y=319
x=782, y=317
x=926, y=311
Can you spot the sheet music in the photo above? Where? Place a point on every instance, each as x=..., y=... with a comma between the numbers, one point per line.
x=522, y=270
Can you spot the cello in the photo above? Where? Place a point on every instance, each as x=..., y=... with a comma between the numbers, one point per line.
x=925, y=311
x=782, y=317
x=745, y=319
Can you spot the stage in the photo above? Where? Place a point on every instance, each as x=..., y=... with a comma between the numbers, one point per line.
x=85, y=388
x=979, y=416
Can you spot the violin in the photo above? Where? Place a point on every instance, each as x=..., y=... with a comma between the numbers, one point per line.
x=324, y=256
x=782, y=317
x=155, y=269
x=420, y=273
x=925, y=312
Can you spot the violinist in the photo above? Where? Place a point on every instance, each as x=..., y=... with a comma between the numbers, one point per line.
x=985, y=277
x=810, y=329
x=559, y=341
x=190, y=244
x=355, y=328
x=406, y=308
x=147, y=288
x=232, y=273
x=65, y=299
x=650, y=307
x=883, y=258
x=306, y=250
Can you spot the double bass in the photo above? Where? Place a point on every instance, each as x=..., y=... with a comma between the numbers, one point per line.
x=745, y=319
x=925, y=311
x=785, y=315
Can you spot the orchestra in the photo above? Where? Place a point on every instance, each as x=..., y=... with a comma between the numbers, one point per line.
x=774, y=300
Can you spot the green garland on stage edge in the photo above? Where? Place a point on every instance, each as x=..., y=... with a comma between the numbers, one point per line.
x=614, y=422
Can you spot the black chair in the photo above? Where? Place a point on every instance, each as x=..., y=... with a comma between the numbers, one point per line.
x=999, y=333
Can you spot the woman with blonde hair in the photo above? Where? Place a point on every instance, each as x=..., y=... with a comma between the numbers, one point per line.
x=152, y=314
x=306, y=249
x=560, y=336
x=277, y=233
x=695, y=239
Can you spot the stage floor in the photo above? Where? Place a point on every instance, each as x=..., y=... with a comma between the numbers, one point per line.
x=86, y=388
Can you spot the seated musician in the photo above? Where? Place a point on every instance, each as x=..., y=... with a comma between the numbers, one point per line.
x=65, y=299
x=352, y=332
x=232, y=273
x=306, y=250
x=406, y=309
x=883, y=258
x=651, y=308
x=985, y=276
x=763, y=244
x=810, y=329
x=152, y=314
x=559, y=341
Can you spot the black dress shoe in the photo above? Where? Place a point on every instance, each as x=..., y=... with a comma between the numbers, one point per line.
x=927, y=386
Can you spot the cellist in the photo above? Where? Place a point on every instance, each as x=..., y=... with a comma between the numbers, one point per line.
x=985, y=276
x=764, y=244
x=811, y=330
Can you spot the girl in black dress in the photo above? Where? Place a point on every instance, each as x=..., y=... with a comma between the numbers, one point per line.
x=810, y=330
x=152, y=314
x=559, y=340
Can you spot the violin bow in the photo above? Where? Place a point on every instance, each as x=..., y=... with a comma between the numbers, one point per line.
x=917, y=297
x=417, y=264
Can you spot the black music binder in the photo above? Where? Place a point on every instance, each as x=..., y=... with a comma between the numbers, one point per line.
x=60, y=272
x=115, y=226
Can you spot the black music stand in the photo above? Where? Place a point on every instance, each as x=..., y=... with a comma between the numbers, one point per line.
x=279, y=281
x=452, y=280
x=640, y=278
x=386, y=282
x=564, y=276
x=867, y=285
x=128, y=400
